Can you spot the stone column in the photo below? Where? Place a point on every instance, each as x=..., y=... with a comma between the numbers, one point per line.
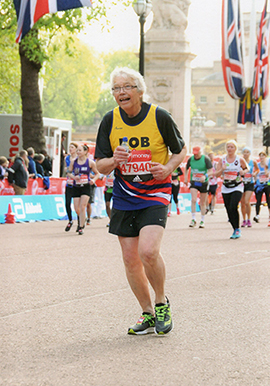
x=167, y=61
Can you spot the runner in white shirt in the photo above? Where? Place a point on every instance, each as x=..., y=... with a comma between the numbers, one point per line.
x=233, y=168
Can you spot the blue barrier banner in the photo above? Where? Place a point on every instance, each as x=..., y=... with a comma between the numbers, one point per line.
x=34, y=208
x=184, y=203
x=52, y=207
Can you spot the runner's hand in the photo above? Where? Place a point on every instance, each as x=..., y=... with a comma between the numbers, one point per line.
x=120, y=155
x=159, y=171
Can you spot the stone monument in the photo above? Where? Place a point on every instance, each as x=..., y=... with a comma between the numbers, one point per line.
x=167, y=61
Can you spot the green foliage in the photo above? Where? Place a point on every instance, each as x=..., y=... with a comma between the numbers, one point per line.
x=73, y=85
x=122, y=58
x=8, y=21
x=112, y=60
x=77, y=85
x=9, y=75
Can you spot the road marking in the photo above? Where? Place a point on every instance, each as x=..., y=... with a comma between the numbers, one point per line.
x=219, y=269
x=258, y=251
x=128, y=289
x=247, y=252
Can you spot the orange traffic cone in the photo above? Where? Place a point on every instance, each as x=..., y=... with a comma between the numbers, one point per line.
x=10, y=217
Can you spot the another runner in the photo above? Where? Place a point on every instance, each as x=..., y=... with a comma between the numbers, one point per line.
x=79, y=171
x=211, y=199
x=232, y=167
x=200, y=171
x=108, y=192
x=69, y=185
x=262, y=186
x=175, y=189
x=248, y=180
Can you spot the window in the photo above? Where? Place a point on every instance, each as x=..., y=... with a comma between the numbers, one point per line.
x=220, y=121
x=203, y=99
x=220, y=99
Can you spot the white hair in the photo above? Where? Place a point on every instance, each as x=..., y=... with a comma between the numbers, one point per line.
x=127, y=72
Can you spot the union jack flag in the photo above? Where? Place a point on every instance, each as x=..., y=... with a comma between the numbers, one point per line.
x=232, y=58
x=29, y=11
x=261, y=59
x=265, y=59
x=261, y=66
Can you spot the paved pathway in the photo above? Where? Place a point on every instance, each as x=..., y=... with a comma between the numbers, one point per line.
x=66, y=306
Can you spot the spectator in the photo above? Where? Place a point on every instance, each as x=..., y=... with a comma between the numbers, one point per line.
x=63, y=156
x=18, y=173
x=39, y=158
x=31, y=163
x=3, y=167
x=46, y=164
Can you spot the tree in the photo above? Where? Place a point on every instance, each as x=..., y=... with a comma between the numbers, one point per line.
x=9, y=70
x=73, y=85
x=112, y=60
x=77, y=87
x=36, y=47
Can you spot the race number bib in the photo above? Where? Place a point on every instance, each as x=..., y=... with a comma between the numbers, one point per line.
x=263, y=178
x=230, y=175
x=137, y=168
x=247, y=178
x=109, y=182
x=83, y=180
x=197, y=176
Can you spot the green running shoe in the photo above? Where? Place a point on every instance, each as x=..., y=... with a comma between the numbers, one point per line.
x=163, y=320
x=145, y=325
x=192, y=224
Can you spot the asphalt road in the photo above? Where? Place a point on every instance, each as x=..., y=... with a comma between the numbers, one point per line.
x=66, y=306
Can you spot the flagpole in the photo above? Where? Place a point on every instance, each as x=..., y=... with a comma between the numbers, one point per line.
x=250, y=67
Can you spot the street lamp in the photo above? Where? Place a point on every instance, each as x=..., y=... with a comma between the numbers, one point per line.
x=142, y=9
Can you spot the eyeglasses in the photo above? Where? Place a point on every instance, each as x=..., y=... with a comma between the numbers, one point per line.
x=128, y=87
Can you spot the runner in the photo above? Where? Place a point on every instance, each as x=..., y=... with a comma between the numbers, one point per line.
x=141, y=191
x=248, y=180
x=175, y=189
x=200, y=170
x=69, y=185
x=108, y=192
x=79, y=171
x=91, y=198
x=211, y=199
x=262, y=186
x=232, y=167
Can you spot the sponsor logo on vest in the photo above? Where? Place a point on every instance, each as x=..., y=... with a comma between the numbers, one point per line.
x=137, y=179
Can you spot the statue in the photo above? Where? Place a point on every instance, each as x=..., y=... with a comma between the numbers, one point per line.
x=170, y=14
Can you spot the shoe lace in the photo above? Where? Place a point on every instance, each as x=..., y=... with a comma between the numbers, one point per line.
x=161, y=312
x=145, y=318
